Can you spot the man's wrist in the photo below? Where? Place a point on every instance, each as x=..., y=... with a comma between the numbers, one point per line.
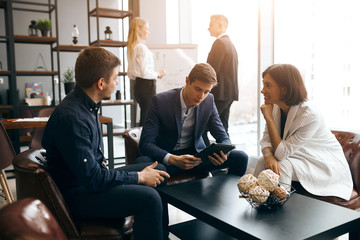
x=140, y=178
x=171, y=159
x=166, y=159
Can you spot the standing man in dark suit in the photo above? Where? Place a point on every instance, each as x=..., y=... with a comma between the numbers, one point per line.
x=224, y=59
x=172, y=133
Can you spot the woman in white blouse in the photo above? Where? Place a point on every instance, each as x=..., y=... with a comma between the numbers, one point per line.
x=296, y=143
x=141, y=65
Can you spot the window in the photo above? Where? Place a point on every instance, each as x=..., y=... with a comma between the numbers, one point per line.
x=321, y=39
x=242, y=30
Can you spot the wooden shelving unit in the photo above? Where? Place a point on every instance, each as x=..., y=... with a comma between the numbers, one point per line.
x=36, y=73
x=14, y=74
x=69, y=48
x=108, y=43
x=34, y=39
x=12, y=71
x=110, y=13
x=4, y=73
x=119, y=14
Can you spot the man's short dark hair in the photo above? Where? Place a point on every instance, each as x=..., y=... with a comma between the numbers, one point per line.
x=92, y=64
x=203, y=72
x=288, y=76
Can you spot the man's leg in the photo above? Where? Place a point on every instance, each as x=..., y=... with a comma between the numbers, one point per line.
x=223, y=108
x=125, y=200
x=236, y=163
x=145, y=161
x=139, y=166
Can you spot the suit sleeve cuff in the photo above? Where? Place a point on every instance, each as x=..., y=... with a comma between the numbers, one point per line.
x=166, y=159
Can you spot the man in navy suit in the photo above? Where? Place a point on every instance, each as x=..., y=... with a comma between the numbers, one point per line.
x=172, y=132
x=224, y=59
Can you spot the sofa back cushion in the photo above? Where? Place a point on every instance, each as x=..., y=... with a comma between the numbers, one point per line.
x=350, y=142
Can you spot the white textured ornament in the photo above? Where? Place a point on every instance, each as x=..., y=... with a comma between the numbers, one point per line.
x=246, y=182
x=268, y=179
x=259, y=194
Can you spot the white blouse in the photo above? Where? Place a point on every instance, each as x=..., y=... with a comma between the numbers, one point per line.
x=141, y=63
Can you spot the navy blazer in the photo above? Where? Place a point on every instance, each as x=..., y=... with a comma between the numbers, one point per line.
x=162, y=128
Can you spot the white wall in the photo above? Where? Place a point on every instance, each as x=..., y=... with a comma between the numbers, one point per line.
x=154, y=11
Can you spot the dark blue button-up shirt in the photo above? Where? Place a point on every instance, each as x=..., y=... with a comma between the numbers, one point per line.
x=74, y=148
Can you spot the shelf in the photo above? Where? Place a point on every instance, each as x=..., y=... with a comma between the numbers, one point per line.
x=36, y=73
x=108, y=43
x=35, y=108
x=6, y=107
x=119, y=15
x=3, y=39
x=4, y=73
x=32, y=6
x=34, y=39
x=117, y=102
x=110, y=13
x=69, y=48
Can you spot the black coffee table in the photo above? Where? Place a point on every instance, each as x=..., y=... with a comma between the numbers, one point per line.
x=221, y=214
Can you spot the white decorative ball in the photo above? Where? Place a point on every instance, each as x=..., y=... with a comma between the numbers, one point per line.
x=268, y=179
x=246, y=182
x=259, y=194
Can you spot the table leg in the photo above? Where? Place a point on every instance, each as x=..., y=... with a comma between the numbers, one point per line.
x=354, y=235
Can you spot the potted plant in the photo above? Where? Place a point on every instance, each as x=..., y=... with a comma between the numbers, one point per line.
x=69, y=79
x=44, y=25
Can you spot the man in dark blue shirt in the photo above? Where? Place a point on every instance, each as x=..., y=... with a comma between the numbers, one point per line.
x=74, y=150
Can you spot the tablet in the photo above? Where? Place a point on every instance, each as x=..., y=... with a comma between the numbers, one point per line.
x=214, y=148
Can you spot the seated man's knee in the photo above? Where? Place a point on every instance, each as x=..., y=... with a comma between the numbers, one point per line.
x=238, y=161
x=143, y=159
x=240, y=157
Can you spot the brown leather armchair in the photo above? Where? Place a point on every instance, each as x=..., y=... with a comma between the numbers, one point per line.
x=27, y=219
x=132, y=138
x=7, y=154
x=350, y=142
x=39, y=132
x=34, y=181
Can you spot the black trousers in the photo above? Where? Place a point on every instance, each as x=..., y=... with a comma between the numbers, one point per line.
x=144, y=90
x=223, y=108
x=143, y=202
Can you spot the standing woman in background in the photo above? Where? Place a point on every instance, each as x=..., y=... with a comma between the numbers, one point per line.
x=141, y=65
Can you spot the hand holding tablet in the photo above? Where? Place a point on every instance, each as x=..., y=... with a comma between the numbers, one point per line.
x=214, y=148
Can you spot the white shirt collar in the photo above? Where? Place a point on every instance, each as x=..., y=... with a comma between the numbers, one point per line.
x=223, y=34
x=182, y=101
